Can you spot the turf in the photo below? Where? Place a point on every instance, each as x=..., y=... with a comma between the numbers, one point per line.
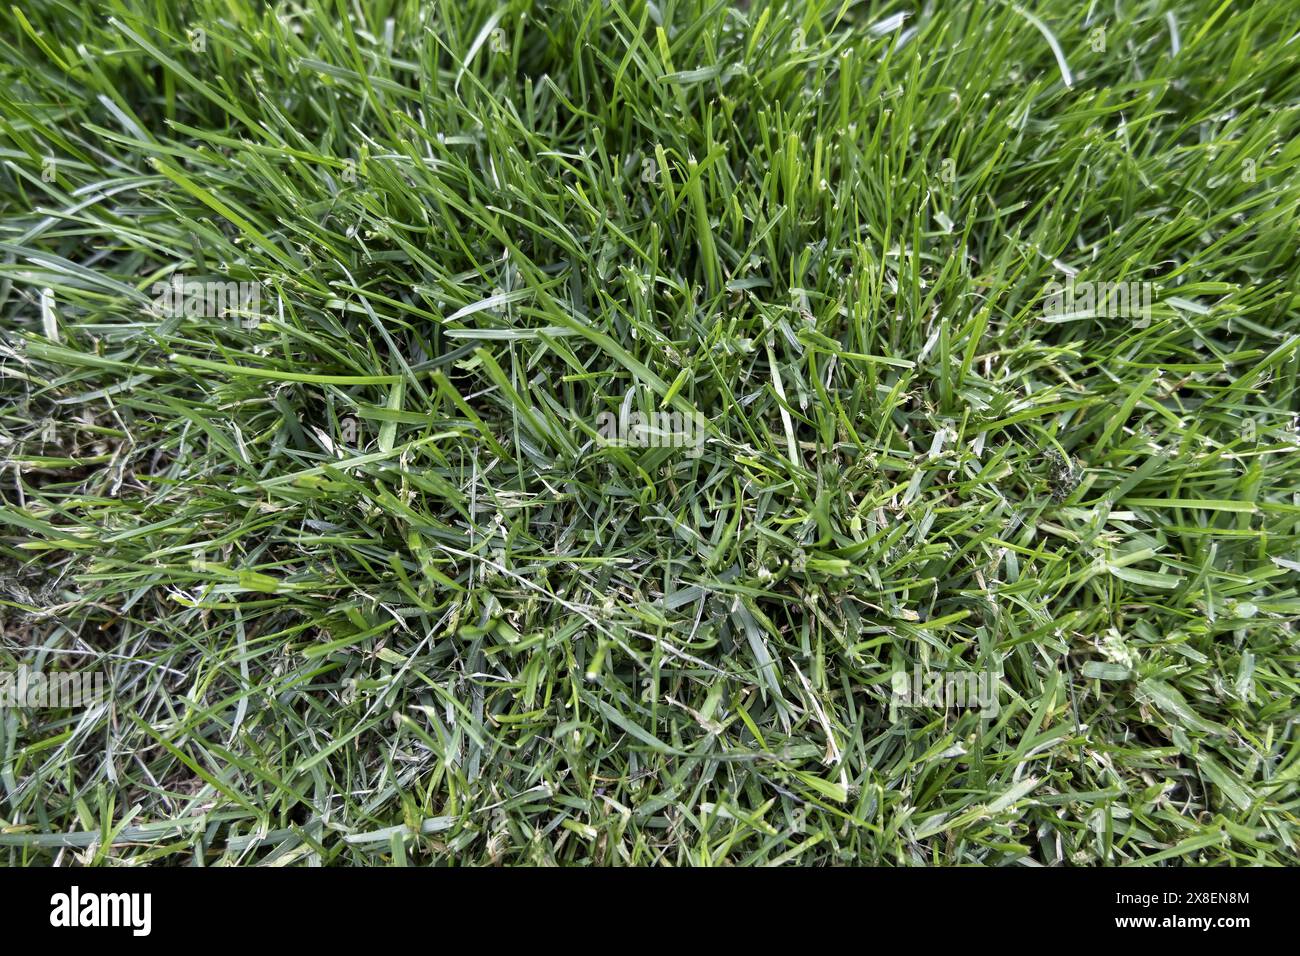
x=370, y=583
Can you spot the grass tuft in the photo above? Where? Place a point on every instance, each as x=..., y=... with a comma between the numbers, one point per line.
x=616, y=419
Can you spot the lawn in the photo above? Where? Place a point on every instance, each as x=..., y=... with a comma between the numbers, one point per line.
x=630, y=433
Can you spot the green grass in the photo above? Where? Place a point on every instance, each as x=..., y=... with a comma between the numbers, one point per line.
x=370, y=586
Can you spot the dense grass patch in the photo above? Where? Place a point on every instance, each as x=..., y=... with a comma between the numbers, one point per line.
x=976, y=332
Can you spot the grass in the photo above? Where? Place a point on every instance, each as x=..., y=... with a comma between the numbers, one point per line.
x=371, y=586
